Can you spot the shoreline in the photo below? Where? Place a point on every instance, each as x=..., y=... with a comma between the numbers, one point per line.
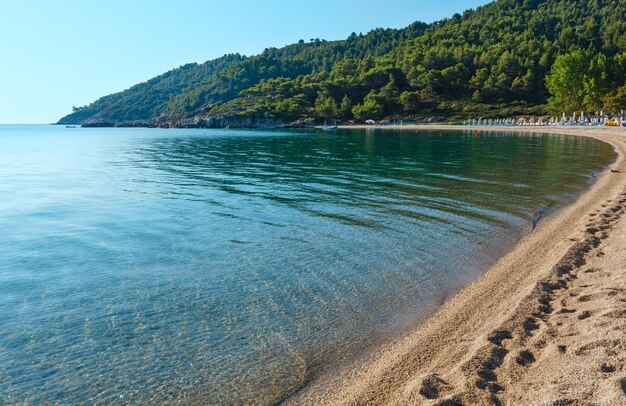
x=519, y=333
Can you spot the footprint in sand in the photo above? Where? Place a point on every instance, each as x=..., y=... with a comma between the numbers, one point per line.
x=433, y=386
x=525, y=358
x=607, y=368
x=500, y=335
x=530, y=325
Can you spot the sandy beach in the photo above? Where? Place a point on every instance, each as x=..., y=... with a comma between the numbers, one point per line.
x=545, y=326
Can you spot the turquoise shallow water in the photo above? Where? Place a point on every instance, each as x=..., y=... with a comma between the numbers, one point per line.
x=231, y=267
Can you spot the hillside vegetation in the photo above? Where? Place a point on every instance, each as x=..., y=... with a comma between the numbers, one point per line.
x=490, y=61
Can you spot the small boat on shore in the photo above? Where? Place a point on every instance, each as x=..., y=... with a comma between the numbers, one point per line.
x=327, y=127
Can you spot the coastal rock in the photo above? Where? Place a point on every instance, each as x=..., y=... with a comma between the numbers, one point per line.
x=199, y=122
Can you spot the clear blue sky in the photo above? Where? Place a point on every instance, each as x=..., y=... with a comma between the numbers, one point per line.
x=59, y=54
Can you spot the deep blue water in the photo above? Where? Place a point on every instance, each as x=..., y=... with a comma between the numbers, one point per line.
x=230, y=267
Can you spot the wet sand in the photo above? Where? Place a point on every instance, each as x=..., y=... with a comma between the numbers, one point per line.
x=546, y=325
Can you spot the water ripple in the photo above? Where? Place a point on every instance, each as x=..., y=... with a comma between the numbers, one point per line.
x=209, y=267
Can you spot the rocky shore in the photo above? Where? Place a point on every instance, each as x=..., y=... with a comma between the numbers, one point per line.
x=200, y=122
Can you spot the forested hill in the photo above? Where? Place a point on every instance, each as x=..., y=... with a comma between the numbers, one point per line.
x=195, y=88
x=491, y=61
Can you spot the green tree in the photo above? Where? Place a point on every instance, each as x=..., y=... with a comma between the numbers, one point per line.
x=616, y=100
x=346, y=107
x=369, y=109
x=289, y=108
x=410, y=101
x=326, y=106
x=566, y=82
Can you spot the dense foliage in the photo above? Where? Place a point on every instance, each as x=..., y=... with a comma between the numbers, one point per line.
x=493, y=60
x=582, y=80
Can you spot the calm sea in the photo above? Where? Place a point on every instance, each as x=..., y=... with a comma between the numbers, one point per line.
x=219, y=267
